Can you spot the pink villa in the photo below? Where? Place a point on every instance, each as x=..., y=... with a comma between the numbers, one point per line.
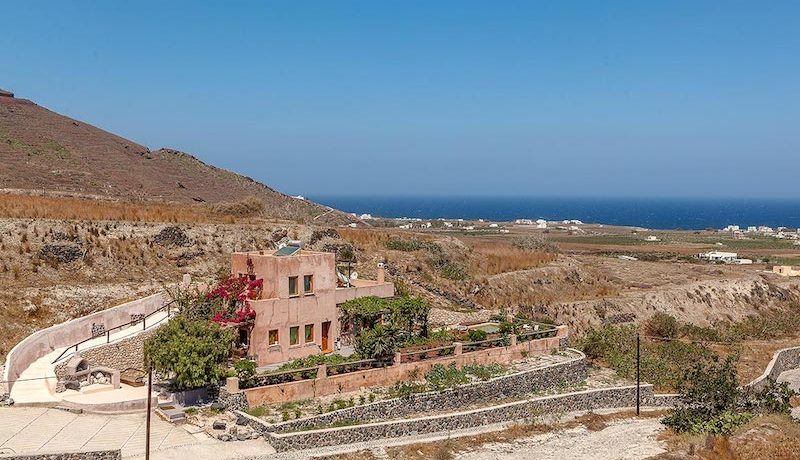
x=297, y=314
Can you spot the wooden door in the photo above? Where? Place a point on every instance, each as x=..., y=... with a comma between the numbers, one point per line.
x=326, y=328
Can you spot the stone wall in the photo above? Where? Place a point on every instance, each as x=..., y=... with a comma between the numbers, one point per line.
x=783, y=360
x=529, y=409
x=93, y=455
x=516, y=385
x=121, y=355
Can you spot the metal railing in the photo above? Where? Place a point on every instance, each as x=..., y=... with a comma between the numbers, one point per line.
x=427, y=353
x=107, y=332
x=354, y=366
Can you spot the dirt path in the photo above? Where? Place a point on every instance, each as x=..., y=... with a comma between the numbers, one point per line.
x=626, y=439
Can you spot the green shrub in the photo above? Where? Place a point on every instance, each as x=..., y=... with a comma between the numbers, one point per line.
x=713, y=403
x=662, y=325
x=403, y=244
x=190, y=353
x=404, y=390
x=440, y=377
x=485, y=372
x=258, y=411
x=245, y=371
x=476, y=335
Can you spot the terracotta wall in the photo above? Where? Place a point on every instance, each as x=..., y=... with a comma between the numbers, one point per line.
x=387, y=376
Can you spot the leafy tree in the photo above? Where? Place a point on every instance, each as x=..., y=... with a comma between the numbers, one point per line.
x=189, y=352
x=713, y=403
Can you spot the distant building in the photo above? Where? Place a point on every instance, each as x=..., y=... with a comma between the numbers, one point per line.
x=731, y=228
x=718, y=256
x=652, y=238
x=493, y=225
x=785, y=270
x=523, y=222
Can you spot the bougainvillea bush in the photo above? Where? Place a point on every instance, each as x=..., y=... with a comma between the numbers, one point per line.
x=232, y=297
x=228, y=302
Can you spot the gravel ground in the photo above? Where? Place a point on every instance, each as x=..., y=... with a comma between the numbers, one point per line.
x=627, y=439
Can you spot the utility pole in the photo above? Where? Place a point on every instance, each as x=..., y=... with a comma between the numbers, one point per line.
x=149, y=403
x=638, y=379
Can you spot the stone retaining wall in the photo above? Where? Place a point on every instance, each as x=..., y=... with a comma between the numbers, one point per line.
x=520, y=384
x=783, y=360
x=93, y=455
x=120, y=355
x=606, y=398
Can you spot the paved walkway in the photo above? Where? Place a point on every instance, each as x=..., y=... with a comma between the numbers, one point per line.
x=37, y=383
x=32, y=429
x=793, y=377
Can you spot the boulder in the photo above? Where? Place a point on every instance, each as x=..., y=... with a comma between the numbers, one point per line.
x=172, y=236
x=241, y=420
x=72, y=385
x=218, y=406
x=219, y=425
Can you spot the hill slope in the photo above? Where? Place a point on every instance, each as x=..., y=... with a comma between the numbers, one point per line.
x=44, y=151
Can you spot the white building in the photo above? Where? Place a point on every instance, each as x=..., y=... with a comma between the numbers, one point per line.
x=523, y=222
x=493, y=225
x=731, y=228
x=652, y=238
x=718, y=256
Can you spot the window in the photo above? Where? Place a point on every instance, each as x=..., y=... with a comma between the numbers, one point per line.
x=309, y=333
x=308, y=284
x=273, y=337
x=294, y=335
x=292, y=286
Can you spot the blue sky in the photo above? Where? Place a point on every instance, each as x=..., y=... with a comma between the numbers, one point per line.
x=679, y=98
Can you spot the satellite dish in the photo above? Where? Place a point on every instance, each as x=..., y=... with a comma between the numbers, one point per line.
x=354, y=275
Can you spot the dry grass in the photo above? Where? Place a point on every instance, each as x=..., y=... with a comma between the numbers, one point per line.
x=70, y=208
x=448, y=449
x=494, y=257
x=765, y=437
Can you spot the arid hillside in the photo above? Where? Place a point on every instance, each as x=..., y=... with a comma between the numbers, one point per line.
x=44, y=152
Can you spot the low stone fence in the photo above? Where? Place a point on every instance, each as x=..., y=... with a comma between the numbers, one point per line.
x=607, y=398
x=782, y=361
x=325, y=385
x=519, y=384
x=65, y=334
x=92, y=455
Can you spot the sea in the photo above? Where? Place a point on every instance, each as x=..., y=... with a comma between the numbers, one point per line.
x=653, y=213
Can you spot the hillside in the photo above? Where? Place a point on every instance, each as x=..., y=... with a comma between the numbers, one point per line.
x=44, y=152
